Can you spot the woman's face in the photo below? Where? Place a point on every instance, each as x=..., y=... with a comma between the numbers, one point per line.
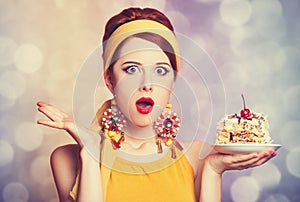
x=142, y=79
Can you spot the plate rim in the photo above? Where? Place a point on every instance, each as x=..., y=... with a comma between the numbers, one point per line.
x=243, y=148
x=247, y=145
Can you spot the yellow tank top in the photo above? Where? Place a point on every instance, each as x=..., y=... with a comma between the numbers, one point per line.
x=162, y=180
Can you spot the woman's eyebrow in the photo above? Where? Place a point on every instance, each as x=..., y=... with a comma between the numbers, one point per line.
x=132, y=62
x=163, y=63
x=140, y=64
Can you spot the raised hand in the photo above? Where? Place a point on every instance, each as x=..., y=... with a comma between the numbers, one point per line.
x=60, y=120
x=57, y=119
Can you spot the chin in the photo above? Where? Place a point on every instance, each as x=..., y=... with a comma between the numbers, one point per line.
x=143, y=125
x=143, y=122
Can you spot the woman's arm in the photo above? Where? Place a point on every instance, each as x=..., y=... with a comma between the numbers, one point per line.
x=216, y=164
x=64, y=165
x=65, y=161
x=211, y=184
x=90, y=182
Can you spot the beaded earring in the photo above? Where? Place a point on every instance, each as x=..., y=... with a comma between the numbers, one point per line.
x=112, y=123
x=166, y=127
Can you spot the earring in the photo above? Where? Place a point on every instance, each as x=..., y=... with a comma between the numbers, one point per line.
x=166, y=127
x=112, y=123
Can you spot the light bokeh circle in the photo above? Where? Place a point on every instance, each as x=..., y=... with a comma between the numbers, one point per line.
x=40, y=169
x=267, y=175
x=7, y=50
x=268, y=20
x=7, y=153
x=28, y=136
x=289, y=134
x=235, y=12
x=15, y=192
x=245, y=189
x=291, y=100
x=262, y=10
x=28, y=58
x=277, y=198
x=12, y=84
x=293, y=163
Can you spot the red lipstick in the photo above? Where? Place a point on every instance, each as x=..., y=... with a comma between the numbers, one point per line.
x=144, y=105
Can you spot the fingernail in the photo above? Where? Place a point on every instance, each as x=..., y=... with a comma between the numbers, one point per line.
x=272, y=152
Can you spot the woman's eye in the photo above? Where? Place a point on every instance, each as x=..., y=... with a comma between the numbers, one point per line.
x=161, y=70
x=131, y=69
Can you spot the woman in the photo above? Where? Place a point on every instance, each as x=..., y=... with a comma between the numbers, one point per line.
x=140, y=158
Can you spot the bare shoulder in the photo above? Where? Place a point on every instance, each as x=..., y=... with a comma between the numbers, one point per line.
x=68, y=152
x=65, y=164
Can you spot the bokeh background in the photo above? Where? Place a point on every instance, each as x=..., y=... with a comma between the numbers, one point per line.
x=254, y=44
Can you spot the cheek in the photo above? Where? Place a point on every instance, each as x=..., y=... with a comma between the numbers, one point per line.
x=161, y=100
x=126, y=86
x=124, y=89
x=166, y=82
x=162, y=96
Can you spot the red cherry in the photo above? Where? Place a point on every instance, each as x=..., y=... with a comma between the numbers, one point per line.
x=245, y=113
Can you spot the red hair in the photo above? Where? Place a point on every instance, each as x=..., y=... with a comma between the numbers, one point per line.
x=131, y=14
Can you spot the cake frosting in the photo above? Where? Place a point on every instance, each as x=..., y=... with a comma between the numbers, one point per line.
x=235, y=129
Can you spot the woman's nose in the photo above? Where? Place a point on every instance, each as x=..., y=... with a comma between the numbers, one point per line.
x=146, y=84
x=146, y=88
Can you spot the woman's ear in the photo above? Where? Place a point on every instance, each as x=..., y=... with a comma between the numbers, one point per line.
x=109, y=81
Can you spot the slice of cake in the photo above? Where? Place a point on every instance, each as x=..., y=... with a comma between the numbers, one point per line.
x=248, y=128
x=237, y=129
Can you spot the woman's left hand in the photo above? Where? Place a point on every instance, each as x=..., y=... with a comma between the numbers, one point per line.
x=222, y=162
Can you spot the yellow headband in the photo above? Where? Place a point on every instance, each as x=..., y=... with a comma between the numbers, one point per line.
x=135, y=27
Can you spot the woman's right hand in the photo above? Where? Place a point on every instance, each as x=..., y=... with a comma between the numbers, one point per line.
x=57, y=119
x=60, y=120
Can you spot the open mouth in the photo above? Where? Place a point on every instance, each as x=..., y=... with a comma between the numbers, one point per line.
x=144, y=105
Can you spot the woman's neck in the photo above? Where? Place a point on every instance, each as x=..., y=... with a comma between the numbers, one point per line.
x=139, y=140
x=137, y=133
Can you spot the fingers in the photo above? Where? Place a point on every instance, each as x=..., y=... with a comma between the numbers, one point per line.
x=58, y=119
x=51, y=112
x=244, y=157
x=264, y=157
x=41, y=104
x=252, y=160
x=238, y=162
x=52, y=124
x=52, y=115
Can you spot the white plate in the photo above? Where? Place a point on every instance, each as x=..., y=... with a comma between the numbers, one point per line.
x=244, y=148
